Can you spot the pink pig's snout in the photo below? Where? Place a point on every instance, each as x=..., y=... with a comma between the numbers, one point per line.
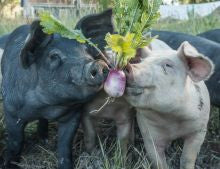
x=129, y=73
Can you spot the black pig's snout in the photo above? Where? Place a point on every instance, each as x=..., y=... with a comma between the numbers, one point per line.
x=105, y=72
x=98, y=72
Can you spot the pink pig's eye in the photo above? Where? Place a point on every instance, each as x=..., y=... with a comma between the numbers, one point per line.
x=169, y=65
x=166, y=66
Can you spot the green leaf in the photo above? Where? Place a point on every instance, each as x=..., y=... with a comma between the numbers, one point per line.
x=122, y=46
x=52, y=25
x=132, y=17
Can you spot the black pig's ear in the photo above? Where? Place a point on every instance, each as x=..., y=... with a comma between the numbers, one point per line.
x=96, y=26
x=35, y=40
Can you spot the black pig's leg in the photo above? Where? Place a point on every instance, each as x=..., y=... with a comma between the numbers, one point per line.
x=15, y=131
x=42, y=129
x=89, y=132
x=219, y=114
x=67, y=128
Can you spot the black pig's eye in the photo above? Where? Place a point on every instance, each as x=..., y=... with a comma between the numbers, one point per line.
x=54, y=56
x=55, y=52
x=55, y=59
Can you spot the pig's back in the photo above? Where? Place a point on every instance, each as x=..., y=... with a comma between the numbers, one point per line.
x=213, y=35
x=204, y=100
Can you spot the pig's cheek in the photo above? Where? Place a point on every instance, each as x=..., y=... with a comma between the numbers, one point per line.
x=140, y=101
x=77, y=75
x=144, y=98
x=133, y=100
x=147, y=78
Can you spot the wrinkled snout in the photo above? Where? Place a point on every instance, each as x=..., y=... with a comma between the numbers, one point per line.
x=129, y=74
x=132, y=87
x=96, y=72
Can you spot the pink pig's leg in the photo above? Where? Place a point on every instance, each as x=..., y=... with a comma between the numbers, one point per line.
x=156, y=153
x=154, y=141
x=192, y=145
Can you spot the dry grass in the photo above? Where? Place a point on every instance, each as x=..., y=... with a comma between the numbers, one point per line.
x=38, y=155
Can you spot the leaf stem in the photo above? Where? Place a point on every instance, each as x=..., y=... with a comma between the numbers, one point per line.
x=132, y=23
x=100, y=52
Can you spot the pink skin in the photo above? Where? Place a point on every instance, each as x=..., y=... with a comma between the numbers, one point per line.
x=115, y=83
x=171, y=100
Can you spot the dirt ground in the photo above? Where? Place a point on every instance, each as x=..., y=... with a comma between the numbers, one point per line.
x=42, y=155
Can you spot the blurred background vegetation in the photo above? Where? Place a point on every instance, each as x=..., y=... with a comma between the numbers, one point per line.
x=196, y=1
x=194, y=25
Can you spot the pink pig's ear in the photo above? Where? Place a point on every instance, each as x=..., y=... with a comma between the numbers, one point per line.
x=199, y=66
x=141, y=54
x=145, y=52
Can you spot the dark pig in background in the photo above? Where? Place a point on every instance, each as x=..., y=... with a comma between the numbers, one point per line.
x=48, y=77
x=213, y=35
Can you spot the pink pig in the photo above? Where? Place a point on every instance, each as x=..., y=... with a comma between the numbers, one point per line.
x=168, y=91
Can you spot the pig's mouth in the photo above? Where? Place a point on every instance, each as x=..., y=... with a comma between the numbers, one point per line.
x=134, y=90
x=137, y=90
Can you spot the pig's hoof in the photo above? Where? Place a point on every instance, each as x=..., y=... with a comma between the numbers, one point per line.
x=90, y=150
x=1, y=161
x=44, y=141
x=4, y=165
x=11, y=166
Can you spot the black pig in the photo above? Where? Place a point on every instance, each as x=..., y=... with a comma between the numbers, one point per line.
x=213, y=35
x=48, y=77
x=3, y=40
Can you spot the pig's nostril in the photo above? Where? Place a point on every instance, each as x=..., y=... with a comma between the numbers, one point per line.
x=105, y=71
x=127, y=70
x=94, y=73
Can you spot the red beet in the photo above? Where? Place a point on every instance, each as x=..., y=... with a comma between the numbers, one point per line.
x=115, y=83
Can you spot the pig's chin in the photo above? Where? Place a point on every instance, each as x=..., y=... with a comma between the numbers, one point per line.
x=132, y=99
x=134, y=91
x=96, y=87
x=84, y=84
x=138, y=90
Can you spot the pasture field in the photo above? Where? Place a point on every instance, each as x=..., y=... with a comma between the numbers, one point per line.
x=41, y=155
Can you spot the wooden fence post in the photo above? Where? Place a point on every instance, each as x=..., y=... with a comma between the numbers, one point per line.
x=77, y=4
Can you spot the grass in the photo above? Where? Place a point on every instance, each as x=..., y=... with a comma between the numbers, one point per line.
x=194, y=25
x=37, y=155
x=7, y=25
